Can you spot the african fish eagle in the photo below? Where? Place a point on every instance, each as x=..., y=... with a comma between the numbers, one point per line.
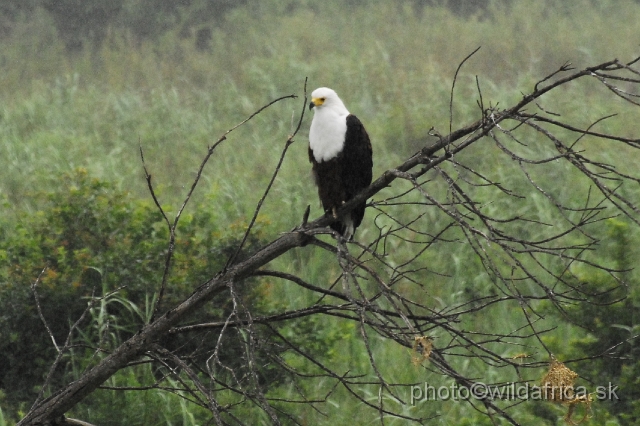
x=340, y=152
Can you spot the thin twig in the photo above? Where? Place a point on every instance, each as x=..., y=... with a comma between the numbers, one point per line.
x=287, y=144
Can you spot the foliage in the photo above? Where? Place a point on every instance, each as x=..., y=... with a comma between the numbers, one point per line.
x=96, y=244
x=612, y=326
x=89, y=240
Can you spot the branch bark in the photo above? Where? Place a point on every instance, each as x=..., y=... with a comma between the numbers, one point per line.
x=46, y=412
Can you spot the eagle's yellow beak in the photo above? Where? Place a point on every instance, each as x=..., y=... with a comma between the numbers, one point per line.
x=316, y=102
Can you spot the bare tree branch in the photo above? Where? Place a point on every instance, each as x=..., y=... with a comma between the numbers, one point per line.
x=386, y=296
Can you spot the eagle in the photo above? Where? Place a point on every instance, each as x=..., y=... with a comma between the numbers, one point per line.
x=341, y=157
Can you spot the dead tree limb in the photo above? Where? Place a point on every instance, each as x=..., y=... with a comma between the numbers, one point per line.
x=376, y=303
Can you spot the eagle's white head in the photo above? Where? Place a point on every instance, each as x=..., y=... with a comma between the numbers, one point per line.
x=329, y=124
x=324, y=98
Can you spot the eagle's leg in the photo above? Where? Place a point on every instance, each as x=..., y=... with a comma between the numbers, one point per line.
x=334, y=212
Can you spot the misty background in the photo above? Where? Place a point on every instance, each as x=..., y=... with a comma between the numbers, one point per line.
x=84, y=84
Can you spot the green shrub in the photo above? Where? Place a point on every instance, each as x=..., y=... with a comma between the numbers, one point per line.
x=609, y=326
x=88, y=239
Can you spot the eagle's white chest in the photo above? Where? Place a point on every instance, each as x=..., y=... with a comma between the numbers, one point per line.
x=327, y=133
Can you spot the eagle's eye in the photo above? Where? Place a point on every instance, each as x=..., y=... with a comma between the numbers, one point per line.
x=322, y=99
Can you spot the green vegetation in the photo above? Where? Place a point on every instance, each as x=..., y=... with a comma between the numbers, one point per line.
x=75, y=199
x=94, y=240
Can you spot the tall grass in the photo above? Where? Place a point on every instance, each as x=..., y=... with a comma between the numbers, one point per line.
x=392, y=64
